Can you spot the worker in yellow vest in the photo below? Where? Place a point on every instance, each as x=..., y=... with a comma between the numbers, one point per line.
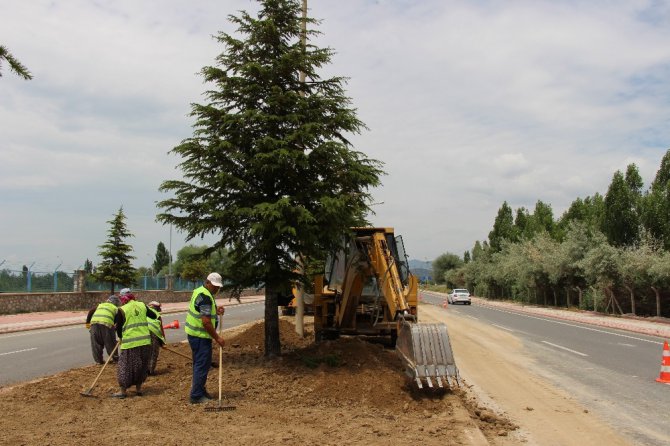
x=157, y=335
x=133, y=331
x=100, y=323
x=200, y=329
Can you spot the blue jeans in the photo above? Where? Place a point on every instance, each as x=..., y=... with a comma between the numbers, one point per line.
x=201, y=350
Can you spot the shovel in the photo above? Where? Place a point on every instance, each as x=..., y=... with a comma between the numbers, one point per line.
x=220, y=407
x=88, y=392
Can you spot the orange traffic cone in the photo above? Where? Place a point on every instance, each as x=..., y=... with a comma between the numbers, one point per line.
x=175, y=324
x=444, y=303
x=664, y=377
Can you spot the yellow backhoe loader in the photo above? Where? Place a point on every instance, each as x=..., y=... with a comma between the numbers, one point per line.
x=368, y=290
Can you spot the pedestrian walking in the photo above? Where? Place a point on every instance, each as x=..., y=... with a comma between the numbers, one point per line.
x=100, y=323
x=133, y=330
x=157, y=336
x=200, y=327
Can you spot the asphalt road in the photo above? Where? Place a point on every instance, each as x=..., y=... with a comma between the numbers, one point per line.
x=31, y=354
x=610, y=371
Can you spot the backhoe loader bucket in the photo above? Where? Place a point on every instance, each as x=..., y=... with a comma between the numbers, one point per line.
x=426, y=351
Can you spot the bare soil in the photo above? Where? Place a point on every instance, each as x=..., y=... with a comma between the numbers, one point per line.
x=347, y=391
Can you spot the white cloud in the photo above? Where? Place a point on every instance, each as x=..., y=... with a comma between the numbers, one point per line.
x=469, y=104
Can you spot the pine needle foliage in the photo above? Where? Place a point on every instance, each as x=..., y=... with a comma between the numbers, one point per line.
x=270, y=169
x=14, y=64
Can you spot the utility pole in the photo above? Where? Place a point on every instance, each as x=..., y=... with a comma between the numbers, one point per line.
x=300, y=301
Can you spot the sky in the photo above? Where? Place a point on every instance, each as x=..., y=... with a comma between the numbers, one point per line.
x=468, y=104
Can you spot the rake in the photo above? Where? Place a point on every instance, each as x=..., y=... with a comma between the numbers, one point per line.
x=220, y=407
x=88, y=392
x=177, y=353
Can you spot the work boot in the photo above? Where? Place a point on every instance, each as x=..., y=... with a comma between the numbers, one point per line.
x=200, y=400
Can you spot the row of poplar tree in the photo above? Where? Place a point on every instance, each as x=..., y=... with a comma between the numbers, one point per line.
x=607, y=253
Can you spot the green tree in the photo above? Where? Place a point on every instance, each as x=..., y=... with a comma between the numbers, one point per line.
x=269, y=168
x=115, y=253
x=186, y=254
x=659, y=274
x=522, y=224
x=633, y=179
x=162, y=258
x=195, y=269
x=466, y=257
x=655, y=207
x=543, y=218
x=621, y=224
x=477, y=250
x=14, y=64
x=443, y=264
x=88, y=266
x=503, y=228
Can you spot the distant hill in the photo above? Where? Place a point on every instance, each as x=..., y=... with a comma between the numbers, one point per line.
x=422, y=273
x=420, y=264
x=421, y=269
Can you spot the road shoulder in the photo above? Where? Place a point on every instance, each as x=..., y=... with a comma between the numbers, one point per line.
x=496, y=369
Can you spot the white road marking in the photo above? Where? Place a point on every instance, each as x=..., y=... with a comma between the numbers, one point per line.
x=566, y=349
x=548, y=319
x=472, y=317
x=504, y=328
x=626, y=345
x=18, y=351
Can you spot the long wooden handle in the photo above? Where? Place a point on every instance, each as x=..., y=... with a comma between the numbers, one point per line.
x=103, y=367
x=220, y=359
x=177, y=353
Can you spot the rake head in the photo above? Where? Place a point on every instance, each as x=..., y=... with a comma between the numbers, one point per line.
x=87, y=393
x=219, y=408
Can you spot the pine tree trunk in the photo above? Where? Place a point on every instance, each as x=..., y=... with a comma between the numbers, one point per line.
x=272, y=343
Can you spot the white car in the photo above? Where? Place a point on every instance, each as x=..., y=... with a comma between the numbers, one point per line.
x=459, y=295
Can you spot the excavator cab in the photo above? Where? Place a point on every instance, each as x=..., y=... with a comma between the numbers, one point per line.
x=368, y=290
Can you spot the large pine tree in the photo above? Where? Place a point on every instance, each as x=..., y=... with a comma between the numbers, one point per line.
x=115, y=267
x=269, y=168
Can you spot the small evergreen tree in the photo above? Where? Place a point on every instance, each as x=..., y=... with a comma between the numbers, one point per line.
x=88, y=266
x=115, y=253
x=162, y=258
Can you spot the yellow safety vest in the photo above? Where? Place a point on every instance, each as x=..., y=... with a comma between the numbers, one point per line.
x=135, y=328
x=105, y=314
x=155, y=326
x=193, y=324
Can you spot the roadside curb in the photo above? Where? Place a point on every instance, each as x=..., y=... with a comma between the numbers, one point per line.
x=59, y=319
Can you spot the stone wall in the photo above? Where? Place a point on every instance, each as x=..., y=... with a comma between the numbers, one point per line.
x=12, y=303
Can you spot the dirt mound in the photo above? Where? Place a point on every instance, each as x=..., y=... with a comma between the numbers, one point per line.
x=345, y=391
